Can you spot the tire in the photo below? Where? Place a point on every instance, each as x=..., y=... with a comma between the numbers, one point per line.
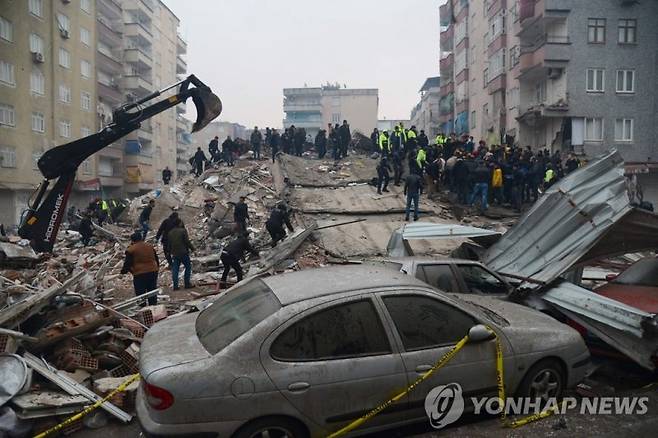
x=544, y=380
x=278, y=427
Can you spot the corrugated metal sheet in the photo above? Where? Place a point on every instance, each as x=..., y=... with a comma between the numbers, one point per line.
x=427, y=230
x=565, y=223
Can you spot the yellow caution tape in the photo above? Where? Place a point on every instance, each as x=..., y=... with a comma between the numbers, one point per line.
x=444, y=359
x=93, y=407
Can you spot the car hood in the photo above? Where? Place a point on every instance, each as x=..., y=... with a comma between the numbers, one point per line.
x=169, y=343
x=528, y=330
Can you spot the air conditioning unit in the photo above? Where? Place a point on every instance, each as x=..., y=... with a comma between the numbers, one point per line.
x=65, y=33
x=37, y=57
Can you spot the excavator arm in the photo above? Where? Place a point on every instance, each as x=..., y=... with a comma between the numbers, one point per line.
x=40, y=222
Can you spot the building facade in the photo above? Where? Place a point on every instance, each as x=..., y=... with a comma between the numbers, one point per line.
x=314, y=108
x=425, y=115
x=559, y=74
x=47, y=94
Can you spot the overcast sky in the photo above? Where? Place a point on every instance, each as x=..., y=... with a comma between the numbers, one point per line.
x=247, y=51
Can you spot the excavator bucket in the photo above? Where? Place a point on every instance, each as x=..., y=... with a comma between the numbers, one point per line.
x=208, y=107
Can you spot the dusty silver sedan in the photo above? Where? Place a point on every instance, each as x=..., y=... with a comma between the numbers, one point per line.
x=303, y=354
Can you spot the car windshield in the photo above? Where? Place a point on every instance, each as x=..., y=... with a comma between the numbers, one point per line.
x=232, y=315
x=641, y=273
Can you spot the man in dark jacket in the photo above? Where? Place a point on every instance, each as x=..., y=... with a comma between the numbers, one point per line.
x=460, y=176
x=280, y=215
x=275, y=140
x=227, y=151
x=383, y=175
x=321, y=143
x=423, y=141
x=142, y=261
x=374, y=141
x=199, y=159
x=86, y=229
x=232, y=254
x=481, y=178
x=345, y=137
x=299, y=139
x=166, y=175
x=145, y=218
x=413, y=187
x=241, y=215
x=256, y=139
x=180, y=247
x=213, y=148
x=163, y=234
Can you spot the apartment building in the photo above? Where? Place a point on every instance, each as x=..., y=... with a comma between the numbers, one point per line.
x=425, y=115
x=312, y=108
x=557, y=74
x=47, y=94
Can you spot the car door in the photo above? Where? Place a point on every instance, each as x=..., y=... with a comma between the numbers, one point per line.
x=478, y=280
x=427, y=327
x=438, y=275
x=335, y=362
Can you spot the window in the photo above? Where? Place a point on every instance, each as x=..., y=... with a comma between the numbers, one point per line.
x=38, y=122
x=85, y=101
x=64, y=58
x=85, y=69
x=439, y=276
x=37, y=83
x=7, y=115
x=424, y=322
x=63, y=22
x=7, y=76
x=36, y=7
x=596, y=30
x=86, y=166
x=85, y=36
x=496, y=64
x=460, y=61
x=343, y=331
x=514, y=54
x=335, y=118
x=6, y=30
x=104, y=78
x=496, y=26
x=627, y=31
x=85, y=5
x=64, y=94
x=473, y=116
x=479, y=280
x=623, y=129
x=594, y=129
x=485, y=77
x=595, y=80
x=85, y=132
x=7, y=157
x=234, y=314
x=35, y=160
x=625, y=81
x=65, y=129
x=460, y=31
x=36, y=43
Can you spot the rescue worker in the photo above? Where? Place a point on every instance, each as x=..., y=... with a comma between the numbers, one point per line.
x=213, y=148
x=241, y=215
x=145, y=218
x=374, y=140
x=180, y=247
x=199, y=159
x=384, y=144
x=166, y=175
x=86, y=229
x=423, y=141
x=421, y=159
x=142, y=262
x=166, y=226
x=440, y=139
x=395, y=140
x=232, y=254
x=549, y=176
x=256, y=139
x=383, y=175
x=280, y=215
x=227, y=151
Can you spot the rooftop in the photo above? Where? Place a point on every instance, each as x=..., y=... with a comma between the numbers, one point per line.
x=433, y=82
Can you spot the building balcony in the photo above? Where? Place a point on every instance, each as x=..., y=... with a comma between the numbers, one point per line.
x=447, y=88
x=113, y=151
x=444, y=15
x=181, y=125
x=181, y=66
x=137, y=84
x=111, y=95
x=544, y=55
x=109, y=32
x=495, y=6
x=145, y=134
x=140, y=58
x=462, y=45
x=496, y=44
x=292, y=106
x=461, y=76
x=446, y=65
x=139, y=32
x=108, y=64
x=181, y=45
x=306, y=124
x=498, y=83
x=461, y=106
x=535, y=15
x=109, y=8
x=533, y=114
x=111, y=181
x=447, y=39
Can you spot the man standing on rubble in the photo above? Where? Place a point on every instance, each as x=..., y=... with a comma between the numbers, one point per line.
x=180, y=247
x=145, y=218
x=413, y=187
x=383, y=175
x=374, y=140
x=274, y=143
x=321, y=143
x=241, y=215
x=345, y=137
x=166, y=175
x=142, y=261
x=256, y=139
x=199, y=159
x=232, y=254
x=163, y=234
x=280, y=215
x=213, y=148
x=86, y=229
x=227, y=151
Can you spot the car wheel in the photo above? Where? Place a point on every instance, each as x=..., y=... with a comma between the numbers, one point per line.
x=544, y=380
x=272, y=428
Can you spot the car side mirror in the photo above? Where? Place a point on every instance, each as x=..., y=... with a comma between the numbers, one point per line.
x=480, y=333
